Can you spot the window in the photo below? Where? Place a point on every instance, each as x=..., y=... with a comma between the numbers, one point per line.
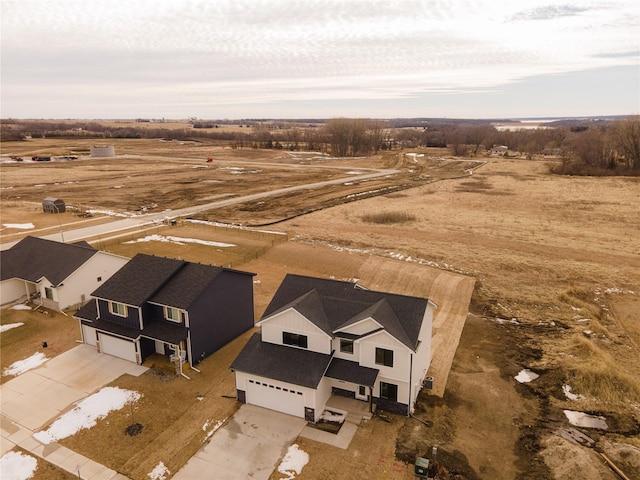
x=48, y=292
x=294, y=339
x=384, y=357
x=362, y=390
x=389, y=391
x=346, y=346
x=99, y=279
x=119, y=309
x=172, y=314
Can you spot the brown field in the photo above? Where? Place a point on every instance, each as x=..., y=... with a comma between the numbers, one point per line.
x=556, y=264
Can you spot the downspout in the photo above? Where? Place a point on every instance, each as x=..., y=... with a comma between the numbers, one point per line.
x=410, y=384
x=180, y=361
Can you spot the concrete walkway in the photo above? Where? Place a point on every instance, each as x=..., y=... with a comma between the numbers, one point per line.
x=35, y=398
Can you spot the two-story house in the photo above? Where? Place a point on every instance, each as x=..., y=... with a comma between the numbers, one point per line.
x=321, y=337
x=172, y=307
x=58, y=276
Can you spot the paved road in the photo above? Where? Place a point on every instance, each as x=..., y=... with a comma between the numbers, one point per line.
x=152, y=218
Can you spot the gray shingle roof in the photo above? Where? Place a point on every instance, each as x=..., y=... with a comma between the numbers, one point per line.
x=138, y=279
x=342, y=304
x=33, y=258
x=287, y=364
x=349, y=371
x=186, y=285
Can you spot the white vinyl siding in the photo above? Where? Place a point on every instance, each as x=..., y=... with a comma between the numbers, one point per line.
x=291, y=321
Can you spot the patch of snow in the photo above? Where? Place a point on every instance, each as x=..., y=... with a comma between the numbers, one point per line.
x=293, y=462
x=215, y=428
x=354, y=172
x=330, y=416
x=581, y=419
x=526, y=376
x=21, y=306
x=21, y=366
x=9, y=326
x=239, y=227
x=86, y=412
x=575, y=309
x=571, y=396
x=21, y=226
x=17, y=466
x=609, y=291
x=159, y=472
x=109, y=213
x=179, y=241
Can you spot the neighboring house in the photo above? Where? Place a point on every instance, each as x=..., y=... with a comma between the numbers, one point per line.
x=322, y=337
x=55, y=275
x=180, y=309
x=500, y=150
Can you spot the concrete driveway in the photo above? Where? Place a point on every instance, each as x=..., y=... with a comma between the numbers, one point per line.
x=42, y=394
x=250, y=445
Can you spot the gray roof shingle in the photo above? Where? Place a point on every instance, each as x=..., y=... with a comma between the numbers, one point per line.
x=186, y=285
x=286, y=364
x=342, y=303
x=349, y=371
x=138, y=279
x=33, y=258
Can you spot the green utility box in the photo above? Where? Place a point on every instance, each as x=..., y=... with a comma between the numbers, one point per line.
x=421, y=468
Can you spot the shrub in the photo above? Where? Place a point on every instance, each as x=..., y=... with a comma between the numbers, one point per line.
x=388, y=217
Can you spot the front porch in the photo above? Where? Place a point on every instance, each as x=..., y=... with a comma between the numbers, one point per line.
x=357, y=410
x=164, y=362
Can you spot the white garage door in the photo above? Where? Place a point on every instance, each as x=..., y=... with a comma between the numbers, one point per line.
x=89, y=334
x=273, y=397
x=118, y=347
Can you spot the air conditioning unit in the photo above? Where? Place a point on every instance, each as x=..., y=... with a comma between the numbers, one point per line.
x=427, y=383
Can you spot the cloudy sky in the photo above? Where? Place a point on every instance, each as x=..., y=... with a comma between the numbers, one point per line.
x=319, y=58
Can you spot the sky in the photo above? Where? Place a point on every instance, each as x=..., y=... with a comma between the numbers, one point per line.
x=236, y=59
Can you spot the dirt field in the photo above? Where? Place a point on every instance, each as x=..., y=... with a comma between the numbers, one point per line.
x=556, y=264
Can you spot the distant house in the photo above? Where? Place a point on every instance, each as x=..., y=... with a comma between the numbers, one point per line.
x=183, y=310
x=322, y=337
x=499, y=150
x=55, y=275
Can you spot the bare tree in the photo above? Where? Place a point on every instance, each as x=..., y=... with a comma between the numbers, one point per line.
x=626, y=136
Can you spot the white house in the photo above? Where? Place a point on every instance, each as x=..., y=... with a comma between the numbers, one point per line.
x=56, y=275
x=321, y=337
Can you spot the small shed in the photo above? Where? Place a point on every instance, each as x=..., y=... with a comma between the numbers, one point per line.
x=53, y=205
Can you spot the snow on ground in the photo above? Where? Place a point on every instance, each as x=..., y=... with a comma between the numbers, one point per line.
x=17, y=466
x=293, y=462
x=86, y=412
x=21, y=306
x=21, y=366
x=239, y=227
x=21, y=226
x=179, y=241
x=567, y=393
x=215, y=428
x=159, y=472
x=581, y=419
x=329, y=416
x=526, y=376
x=9, y=326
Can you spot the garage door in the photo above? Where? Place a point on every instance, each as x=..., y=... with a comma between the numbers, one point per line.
x=273, y=397
x=89, y=335
x=118, y=347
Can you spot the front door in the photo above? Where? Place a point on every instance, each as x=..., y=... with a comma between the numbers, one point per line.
x=159, y=347
x=361, y=393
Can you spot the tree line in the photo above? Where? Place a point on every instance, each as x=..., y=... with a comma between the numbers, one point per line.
x=585, y=146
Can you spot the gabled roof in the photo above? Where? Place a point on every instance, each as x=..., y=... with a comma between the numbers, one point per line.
x=186, y=285
x=341, y=303
x=33, y=258
x=286, y=364
x=310, y=306
x=138, y=279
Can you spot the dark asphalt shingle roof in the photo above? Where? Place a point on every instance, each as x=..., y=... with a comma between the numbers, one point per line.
x=349, y=371
x=341, y=303
x=278, y=362
x=138, y=279
x=33, y=258
x=186, y=285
